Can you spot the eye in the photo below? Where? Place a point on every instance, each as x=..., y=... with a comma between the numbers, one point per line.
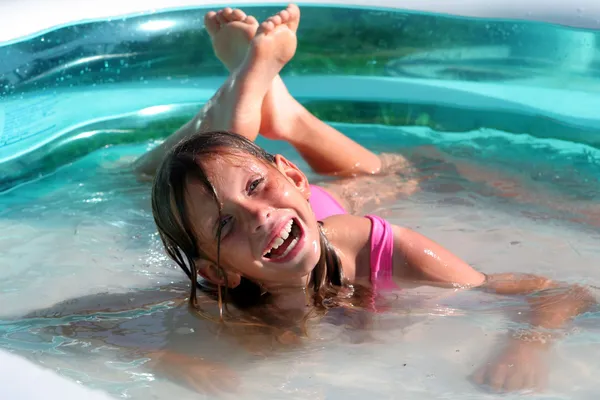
x=224, y=226
x=224, y=222
x=254, y=184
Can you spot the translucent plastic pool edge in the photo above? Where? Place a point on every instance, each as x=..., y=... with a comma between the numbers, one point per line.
x=20, y=379
x=41, y=15
x=24, y=18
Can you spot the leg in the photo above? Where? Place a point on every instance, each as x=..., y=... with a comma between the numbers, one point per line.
x=282, y=117
x=237, y=104
x=319, y=143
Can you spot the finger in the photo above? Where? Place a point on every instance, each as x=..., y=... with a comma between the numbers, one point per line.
x=213, y=386
x=479, y=375
x=198, y=385
x=515, y=380
x=225, y=382
x=496, y=377
x=540, y=380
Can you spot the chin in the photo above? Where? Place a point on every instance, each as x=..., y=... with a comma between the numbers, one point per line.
x=311, y=260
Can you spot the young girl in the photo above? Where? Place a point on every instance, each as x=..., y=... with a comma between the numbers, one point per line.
x=252, y=226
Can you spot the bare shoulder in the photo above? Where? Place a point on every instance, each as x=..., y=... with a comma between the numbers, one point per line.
x=349, y=226
x=350, y=235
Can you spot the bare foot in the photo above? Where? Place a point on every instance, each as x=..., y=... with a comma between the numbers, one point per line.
x=237, y=105
x=231, y=32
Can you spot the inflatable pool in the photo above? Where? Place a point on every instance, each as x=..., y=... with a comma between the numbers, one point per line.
x=77, y=79
x=117, y=50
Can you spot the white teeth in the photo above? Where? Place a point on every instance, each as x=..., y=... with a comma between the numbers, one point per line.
x=283, y=235
x=290, y=247
x=278, y=242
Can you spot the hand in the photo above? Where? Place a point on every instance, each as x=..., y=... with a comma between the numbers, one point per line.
x=521, y=366
x=196, y=373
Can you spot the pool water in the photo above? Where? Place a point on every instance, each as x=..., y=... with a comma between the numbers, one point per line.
x=87, y=229
x=510, y=181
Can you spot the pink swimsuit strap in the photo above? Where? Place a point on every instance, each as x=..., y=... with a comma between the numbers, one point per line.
x=322, y=204
x=382, y=237
x=382, y=253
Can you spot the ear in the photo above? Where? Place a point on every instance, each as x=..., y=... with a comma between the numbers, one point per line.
x=210, y=272
x=293, y=174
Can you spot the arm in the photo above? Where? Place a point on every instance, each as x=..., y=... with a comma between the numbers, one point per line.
x=521, y=364
x=554, y=304
x=420, y=259
x=166, y=357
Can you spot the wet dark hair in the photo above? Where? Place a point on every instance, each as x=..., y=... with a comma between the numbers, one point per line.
x=182, y=164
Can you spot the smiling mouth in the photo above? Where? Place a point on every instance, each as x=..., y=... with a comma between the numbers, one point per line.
x=286, y=242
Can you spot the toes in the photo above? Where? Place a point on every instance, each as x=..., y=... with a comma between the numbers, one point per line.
x=290, y=16
x=285, y=16
x=275, y=19
x=238, y=15
x=267, y=26
x=294, y=16
x=221, y=18
x=227, y=13
x=210, y=23
x=250, y=20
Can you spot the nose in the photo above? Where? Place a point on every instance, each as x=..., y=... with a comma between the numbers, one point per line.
x=258, y=216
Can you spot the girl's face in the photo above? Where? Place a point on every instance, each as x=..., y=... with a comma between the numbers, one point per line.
x=269, y=233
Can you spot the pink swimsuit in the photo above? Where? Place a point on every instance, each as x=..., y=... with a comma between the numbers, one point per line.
x=323, y=205
x=382, y=238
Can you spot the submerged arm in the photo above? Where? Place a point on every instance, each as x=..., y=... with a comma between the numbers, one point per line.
x=420, y=259
x=552, y=303
x=193, y=371
x=521, y=365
